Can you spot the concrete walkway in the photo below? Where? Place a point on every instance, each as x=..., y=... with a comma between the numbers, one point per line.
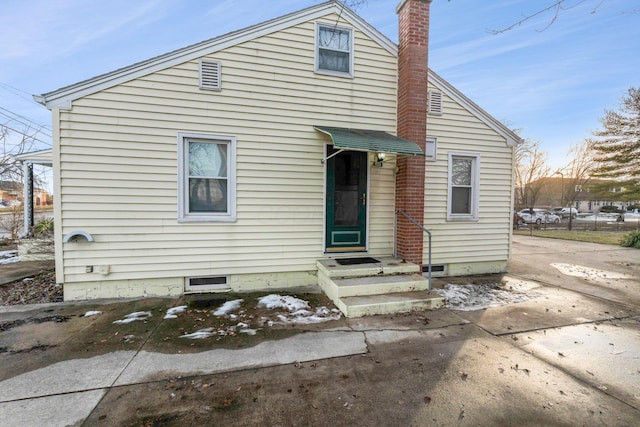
x=570, y=355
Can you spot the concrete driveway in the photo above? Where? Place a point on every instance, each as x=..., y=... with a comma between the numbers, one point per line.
x=569, y=355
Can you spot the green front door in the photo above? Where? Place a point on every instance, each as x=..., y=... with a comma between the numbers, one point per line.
x=346, y=201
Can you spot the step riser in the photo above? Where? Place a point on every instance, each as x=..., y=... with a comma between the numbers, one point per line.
x=386, y=269
x=390, y=308
x=382, y=288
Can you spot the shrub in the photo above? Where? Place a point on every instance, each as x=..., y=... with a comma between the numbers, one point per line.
x=631, y=240
x=610, y=209
x=44, y=227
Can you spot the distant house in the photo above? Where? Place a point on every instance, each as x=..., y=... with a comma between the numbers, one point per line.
x=11, y=192
x=554, y=192
x=242, y=161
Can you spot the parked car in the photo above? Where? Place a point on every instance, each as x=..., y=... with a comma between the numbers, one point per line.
x=538, y=216
x=566, y=212
x=632, y=215
x=600, y=217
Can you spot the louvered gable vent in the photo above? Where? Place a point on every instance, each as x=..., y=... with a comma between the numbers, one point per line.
x=434, y=102
x=210, y=75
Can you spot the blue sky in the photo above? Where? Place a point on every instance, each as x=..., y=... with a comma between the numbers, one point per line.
x=554, y=83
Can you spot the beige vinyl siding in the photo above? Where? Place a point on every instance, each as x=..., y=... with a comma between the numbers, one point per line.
x=486, y=240
x=119, y=174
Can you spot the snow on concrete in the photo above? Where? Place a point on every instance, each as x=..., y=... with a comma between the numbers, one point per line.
x=588, y=273
x=173, y=312
x=138, y=315
x=476, y=297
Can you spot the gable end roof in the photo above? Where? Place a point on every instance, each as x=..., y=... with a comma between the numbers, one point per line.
x=512, y=138
x=63, y=97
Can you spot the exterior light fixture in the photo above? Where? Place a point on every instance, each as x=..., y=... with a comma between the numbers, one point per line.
x=379, y=159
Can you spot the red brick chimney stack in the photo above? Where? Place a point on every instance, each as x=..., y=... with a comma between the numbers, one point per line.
x=413, y=46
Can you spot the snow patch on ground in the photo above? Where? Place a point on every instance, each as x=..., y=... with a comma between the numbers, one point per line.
x=588, y=273
x=173, y=312
x=92, y=313
x=138, y=315
x=242, y=328
x=299, y=311
x=476, y=297
x=229, y=306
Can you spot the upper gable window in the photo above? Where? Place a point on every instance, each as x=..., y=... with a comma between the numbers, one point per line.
x=334, y=50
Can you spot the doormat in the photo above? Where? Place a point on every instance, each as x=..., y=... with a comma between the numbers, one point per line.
x=355, y=261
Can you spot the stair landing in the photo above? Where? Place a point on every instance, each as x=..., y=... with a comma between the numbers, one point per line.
x=387, y=286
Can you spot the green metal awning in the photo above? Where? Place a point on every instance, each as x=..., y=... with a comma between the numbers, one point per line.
x=369, y=140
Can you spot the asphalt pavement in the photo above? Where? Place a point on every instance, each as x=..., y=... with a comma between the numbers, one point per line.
x=569, y=355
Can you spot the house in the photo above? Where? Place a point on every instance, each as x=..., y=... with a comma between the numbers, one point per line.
x=584, y=197
x=11, y=192
x=246, y=161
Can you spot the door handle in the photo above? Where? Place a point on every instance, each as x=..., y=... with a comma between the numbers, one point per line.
x=364, y=199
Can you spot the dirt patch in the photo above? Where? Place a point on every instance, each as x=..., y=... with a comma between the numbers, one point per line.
x=245, y=326
x=41, y=288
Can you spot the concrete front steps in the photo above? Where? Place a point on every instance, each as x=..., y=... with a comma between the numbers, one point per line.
x=384, y=287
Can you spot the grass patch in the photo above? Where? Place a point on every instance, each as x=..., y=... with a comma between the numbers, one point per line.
x=605, y=237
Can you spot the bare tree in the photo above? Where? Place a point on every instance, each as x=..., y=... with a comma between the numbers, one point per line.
x=555, y=9
x=576, y=175
x=14, y=142
x=531, y=168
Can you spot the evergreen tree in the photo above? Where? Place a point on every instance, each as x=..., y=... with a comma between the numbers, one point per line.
x=616, y=147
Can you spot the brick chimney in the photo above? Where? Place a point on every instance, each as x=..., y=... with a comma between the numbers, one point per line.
x=413, y=46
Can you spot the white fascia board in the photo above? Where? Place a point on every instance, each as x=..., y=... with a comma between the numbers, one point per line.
x=63, y=97
x=41, y=157
x=512, y=138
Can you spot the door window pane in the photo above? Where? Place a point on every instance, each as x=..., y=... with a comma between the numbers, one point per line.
x=347, y=180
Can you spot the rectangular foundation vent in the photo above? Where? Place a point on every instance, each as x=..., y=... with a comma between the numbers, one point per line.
x=434, y=268
x=202, y=284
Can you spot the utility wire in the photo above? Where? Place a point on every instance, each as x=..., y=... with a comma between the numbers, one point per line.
x=28, y=136
x=29, y=125
x=14, y=90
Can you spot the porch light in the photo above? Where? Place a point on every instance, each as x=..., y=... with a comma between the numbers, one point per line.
x=379, y=159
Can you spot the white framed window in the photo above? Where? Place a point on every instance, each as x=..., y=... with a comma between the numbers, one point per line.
x=464, y=177
x=334, y=50
x=431, y=148
x=206, y=177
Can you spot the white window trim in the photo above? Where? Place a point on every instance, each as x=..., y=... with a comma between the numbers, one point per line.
x=317, y=50
x=183, y=182
x=475, y=188
x=431, y=141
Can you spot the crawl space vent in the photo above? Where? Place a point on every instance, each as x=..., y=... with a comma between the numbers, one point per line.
x=194, y=282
